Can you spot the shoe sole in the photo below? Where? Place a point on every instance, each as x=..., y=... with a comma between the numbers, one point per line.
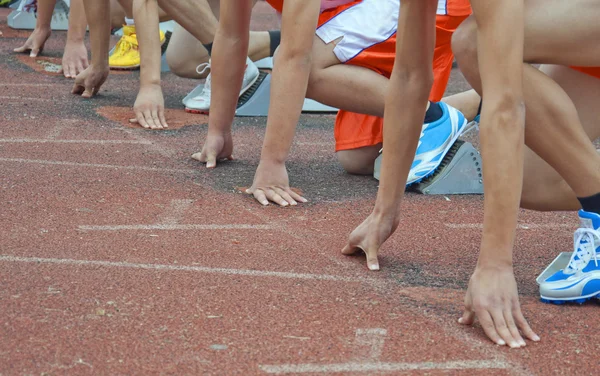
x=133, y=67
x=579, y=300
x=206, y=112
x=450, y=144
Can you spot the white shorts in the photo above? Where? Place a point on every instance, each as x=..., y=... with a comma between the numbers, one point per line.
x=363, y=25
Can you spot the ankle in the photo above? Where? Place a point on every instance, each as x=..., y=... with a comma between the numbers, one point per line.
x=590, y=204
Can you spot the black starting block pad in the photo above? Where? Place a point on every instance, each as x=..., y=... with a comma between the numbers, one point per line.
x=255, y=101
x=460, y=173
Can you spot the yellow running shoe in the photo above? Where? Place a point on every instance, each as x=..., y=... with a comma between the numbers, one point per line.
x=126, y=54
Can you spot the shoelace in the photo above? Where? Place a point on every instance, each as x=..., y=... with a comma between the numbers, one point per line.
x=583, y=253
x=200, y=69
x=28, y=6
x=126, y=43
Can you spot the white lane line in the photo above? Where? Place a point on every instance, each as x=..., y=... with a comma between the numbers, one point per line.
x=24, y=99
x=58, y=129
x=181, y=268
x=172, y=227
x=94, y=165
x=382, y=367
x=162, y=150
x=369, y=343
x=34, y=85
x=524, y=226
x=55, y=141
x=176, y=211
x=314, y=143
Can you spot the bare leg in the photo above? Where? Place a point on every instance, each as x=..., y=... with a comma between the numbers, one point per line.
x=359, y=161
x=544, y=188
x=553, y=129
x=466, y=102
x=124, y=8
x=185, y=52
x=345, y=86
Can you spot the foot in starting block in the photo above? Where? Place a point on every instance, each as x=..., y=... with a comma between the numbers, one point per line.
x=459, y=173
x=24, y=19
x=255, y=101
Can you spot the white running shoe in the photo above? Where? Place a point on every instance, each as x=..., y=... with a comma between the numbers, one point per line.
x=200, y=104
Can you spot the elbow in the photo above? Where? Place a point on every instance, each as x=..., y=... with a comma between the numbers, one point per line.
x=295, y=55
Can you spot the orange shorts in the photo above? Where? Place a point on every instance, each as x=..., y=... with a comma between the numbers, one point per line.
x=365, y=31
x=354, y=130
x=592, y=71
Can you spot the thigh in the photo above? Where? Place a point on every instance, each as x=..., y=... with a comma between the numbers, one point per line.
x=562, y=32
x=584, y=91
x=323, y=55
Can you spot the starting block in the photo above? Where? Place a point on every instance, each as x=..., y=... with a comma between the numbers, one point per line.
x=458, y=174
x=255, y=101
x=266, y=63
x=23, y=18
x=560, y=262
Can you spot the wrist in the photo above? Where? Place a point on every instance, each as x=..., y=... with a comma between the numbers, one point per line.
x=493, y=268
x=219, y=132
x=385, y=216
x=386, y=207
x=269, y=160
x=150, y=84
x=43, y=28
x=495, y=257
x=75, y=39
x=272, y=157
x=100, y=64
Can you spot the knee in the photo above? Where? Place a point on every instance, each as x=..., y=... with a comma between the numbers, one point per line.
x=356, y=162
x=539, y=192
x=464, y=43
x=183, y=67
x=531, y=194
x=534, y=197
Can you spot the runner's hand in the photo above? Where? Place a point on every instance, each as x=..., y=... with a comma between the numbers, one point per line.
x=149, y=108
x=492, y=297
x=216, y=147
x=35, y=43
x=271, y=183
x=369, y=236
x=75, y=59
x=88, y=82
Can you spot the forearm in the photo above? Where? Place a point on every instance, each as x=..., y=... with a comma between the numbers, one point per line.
x=194, y=16
x=401, y=132
x=502, y=123
x=290, y=77
x=288, y=89
x=77, y=22
x=228, y=62
x=406, y=101
x=97, y=13
x=145, y=13
x=45, y=9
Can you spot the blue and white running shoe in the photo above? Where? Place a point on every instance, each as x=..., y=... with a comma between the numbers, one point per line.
x=436, y=139
x=580, y=280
